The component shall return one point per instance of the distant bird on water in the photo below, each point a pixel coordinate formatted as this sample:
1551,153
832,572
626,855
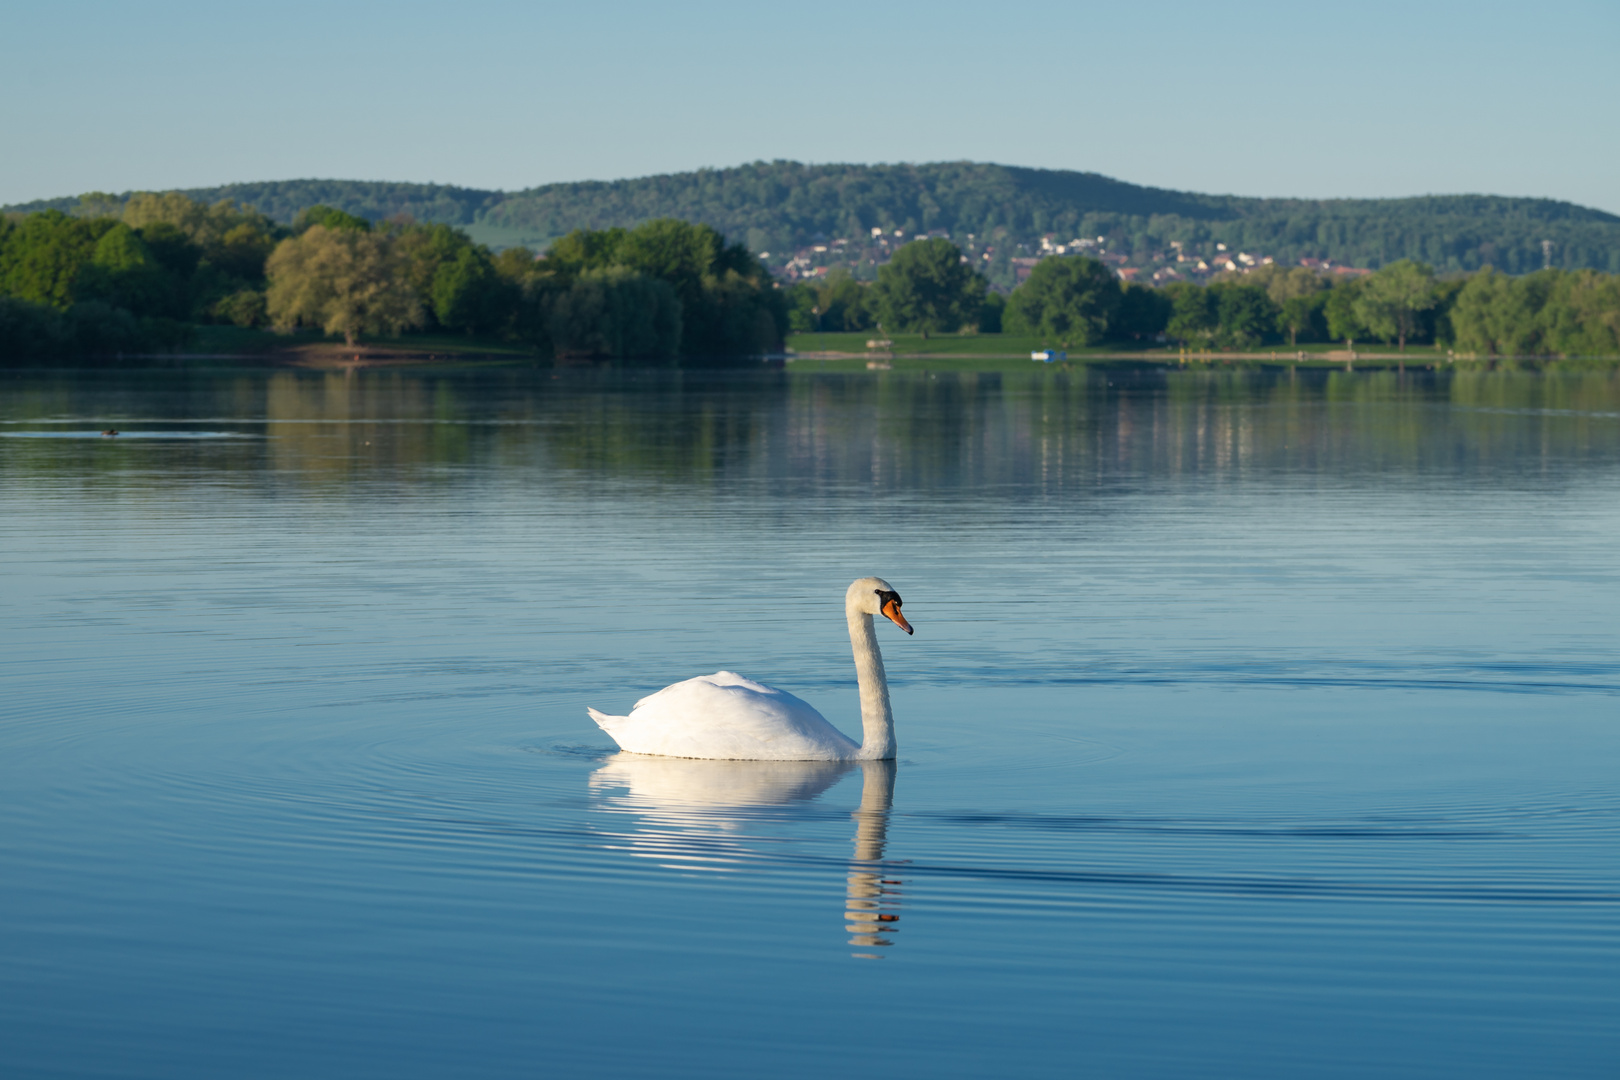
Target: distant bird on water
109,433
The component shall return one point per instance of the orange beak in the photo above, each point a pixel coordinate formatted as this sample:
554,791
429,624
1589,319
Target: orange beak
892,611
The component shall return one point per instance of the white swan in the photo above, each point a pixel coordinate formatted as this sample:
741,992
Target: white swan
727,716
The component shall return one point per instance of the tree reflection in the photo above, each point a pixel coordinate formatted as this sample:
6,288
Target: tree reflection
1012,435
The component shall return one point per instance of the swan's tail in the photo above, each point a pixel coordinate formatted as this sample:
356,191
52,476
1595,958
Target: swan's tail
604,721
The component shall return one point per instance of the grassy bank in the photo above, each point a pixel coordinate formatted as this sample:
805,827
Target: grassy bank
850,351
224,342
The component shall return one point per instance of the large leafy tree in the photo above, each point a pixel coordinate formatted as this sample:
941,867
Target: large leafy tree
1073,300
1342,312
1298,294
42,258
1244,314
1506,316
124,273
469,294
927,287
230,240
344,281
1192,312
1143,312
728,305
1582,317
837,302
1299,314
1392,302
613,312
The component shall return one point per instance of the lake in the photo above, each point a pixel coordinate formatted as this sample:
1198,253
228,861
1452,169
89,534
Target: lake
1257,724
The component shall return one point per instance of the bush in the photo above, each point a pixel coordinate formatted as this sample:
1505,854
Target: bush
245,308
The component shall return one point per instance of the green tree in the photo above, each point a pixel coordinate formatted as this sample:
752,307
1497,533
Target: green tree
242,249
928,287
122,272
1072,300
1446,291
245,308
29,331
1192,312
1244,314
515,264
1299,295
581,250
1341,311
729,305
98,204
1392,302
837,302
42,257
470,295
179,255
992,313
678,252
211,251
1301,314
1144,312
345,281
1503,316
1582,316
610,313
428,250
330,217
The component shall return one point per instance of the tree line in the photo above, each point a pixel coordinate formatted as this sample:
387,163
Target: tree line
781,206
140,275
1074,301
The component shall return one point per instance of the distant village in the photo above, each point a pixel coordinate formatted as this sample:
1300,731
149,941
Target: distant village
1007,263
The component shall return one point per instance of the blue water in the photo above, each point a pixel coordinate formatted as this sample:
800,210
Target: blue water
1256,725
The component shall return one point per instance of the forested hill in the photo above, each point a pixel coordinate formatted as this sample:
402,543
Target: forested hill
281,200
781,207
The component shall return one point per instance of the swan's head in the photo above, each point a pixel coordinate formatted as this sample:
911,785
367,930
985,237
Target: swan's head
874,596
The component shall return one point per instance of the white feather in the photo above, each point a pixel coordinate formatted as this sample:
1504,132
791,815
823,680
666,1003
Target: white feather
725,715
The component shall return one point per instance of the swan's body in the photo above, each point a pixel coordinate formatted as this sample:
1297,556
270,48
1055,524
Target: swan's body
725,715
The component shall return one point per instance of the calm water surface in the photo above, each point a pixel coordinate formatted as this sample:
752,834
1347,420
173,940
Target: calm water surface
1256,725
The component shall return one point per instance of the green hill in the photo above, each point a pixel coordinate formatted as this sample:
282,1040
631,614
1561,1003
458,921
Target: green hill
781,207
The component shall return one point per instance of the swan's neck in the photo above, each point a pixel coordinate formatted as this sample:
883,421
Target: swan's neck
877,722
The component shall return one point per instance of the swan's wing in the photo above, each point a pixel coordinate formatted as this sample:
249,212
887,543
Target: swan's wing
725,715
719,678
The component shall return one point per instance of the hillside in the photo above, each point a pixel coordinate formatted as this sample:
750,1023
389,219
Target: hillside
786,207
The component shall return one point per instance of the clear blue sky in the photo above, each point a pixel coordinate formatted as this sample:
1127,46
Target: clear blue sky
1362,99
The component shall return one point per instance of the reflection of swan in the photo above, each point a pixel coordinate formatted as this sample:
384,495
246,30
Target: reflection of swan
693,813
727,716
868,913
675,785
